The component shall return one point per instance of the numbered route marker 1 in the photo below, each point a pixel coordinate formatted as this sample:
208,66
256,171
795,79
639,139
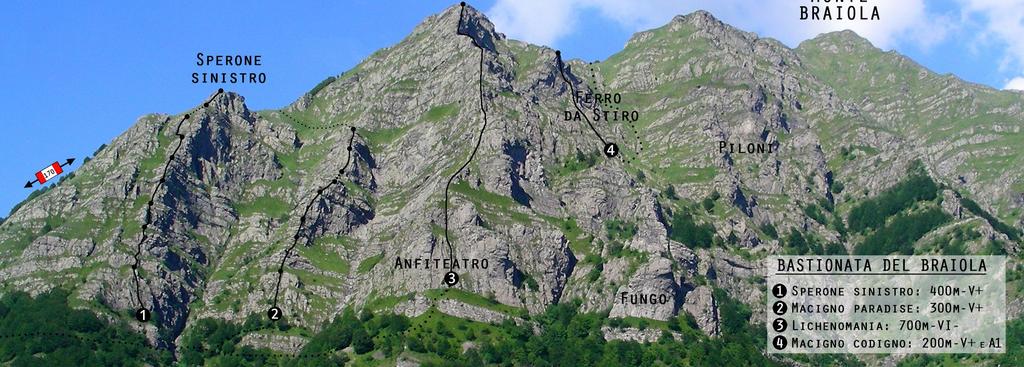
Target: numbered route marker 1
274,313
451,278
611,150
779,290
48,173
143,315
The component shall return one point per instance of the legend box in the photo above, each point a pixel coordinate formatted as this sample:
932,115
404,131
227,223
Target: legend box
886,304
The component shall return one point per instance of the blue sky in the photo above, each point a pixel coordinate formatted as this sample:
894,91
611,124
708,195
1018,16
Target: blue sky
78,74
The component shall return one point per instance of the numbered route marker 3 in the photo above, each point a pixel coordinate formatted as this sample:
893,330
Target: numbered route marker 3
143,315
451,278
611,150
274,314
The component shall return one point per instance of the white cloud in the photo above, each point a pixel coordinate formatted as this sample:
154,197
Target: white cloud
536,21
546,21
1015,83
1001,22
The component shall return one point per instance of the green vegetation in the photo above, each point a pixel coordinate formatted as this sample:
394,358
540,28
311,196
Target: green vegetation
561,336
1009,231
798,244
381,137
872,213
813,211
598,266
670,193
953,242
489,204
709,202
577,243
45,331
579,162
33,195
685,230
1014,355
319,86
769,230
325,258
367,264
530,283
269,205
440,113
405,85
619,230
837,187
215,342
900,234
482,196
474,299
570,338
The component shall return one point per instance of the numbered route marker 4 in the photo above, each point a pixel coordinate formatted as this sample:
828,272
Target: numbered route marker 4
274,314
611,150
143,315
451,278
779,342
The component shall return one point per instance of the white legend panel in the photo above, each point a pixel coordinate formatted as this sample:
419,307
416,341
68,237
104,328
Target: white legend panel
886,304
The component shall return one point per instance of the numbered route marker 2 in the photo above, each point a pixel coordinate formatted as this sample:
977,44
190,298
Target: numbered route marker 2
143,315
451,278
274,313
611,150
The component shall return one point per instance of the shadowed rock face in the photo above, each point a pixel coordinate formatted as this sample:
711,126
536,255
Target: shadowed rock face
554,219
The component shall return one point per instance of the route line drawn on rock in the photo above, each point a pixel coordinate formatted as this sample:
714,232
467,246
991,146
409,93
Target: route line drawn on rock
302,223
575,103
451,278
638,145
141,312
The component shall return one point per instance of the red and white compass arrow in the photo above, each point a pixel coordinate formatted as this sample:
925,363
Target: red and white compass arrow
49,172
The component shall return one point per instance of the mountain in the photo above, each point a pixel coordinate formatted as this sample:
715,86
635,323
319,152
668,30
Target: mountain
459,135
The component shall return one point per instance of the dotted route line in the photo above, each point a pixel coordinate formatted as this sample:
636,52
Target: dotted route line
128,343
297,121
639,145
149,207
274,315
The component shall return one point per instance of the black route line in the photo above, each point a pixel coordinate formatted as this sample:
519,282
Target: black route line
149,206
561,71
305,213
479,139
639,145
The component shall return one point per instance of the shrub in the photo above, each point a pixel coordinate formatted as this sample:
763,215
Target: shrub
686,231
872,213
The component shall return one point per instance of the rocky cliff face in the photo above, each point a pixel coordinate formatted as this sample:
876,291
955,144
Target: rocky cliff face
551,216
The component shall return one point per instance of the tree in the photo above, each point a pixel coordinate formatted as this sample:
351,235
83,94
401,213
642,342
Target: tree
361,341
670,192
